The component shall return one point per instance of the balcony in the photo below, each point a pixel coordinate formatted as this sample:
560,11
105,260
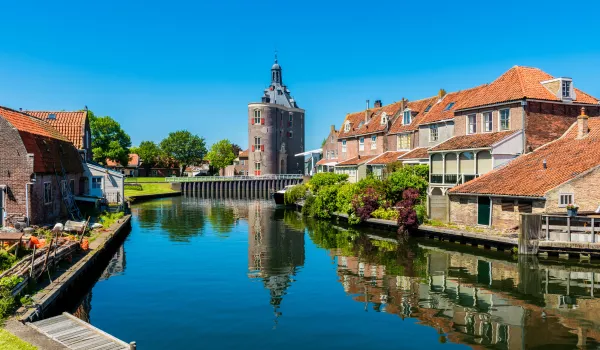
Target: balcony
452,179
437,178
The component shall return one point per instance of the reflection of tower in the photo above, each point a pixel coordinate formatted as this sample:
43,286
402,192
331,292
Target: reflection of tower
116,265
84,309
274,252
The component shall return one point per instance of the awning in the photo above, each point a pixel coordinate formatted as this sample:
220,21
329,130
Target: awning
314,151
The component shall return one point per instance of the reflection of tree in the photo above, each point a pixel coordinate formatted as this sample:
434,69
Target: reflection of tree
222,218
179,217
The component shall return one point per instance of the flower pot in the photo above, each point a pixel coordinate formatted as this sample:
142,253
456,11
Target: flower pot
572,212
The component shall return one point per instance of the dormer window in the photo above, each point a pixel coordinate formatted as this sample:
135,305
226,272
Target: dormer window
52,116
428,108
406,117
361,124
384,119
566,89
449,106
561,88
347,127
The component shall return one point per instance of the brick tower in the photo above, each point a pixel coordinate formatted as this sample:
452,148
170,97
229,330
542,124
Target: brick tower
275,130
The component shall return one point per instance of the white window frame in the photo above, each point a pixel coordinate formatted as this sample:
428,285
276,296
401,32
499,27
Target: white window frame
399,142
257,116
344,145
407,114
434,136
484,122
361,143
569,85
48,193
383,119
500,119
469,124
563,203
347,127
374,142
290,134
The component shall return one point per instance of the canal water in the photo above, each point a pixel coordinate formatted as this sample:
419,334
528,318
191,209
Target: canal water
230,274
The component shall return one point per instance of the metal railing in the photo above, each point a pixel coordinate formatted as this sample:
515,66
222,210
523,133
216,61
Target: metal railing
452,179
234,178
563,228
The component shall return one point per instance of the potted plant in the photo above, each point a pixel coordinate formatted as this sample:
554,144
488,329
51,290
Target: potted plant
572,210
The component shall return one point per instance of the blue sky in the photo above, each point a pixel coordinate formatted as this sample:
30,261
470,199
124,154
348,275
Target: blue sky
159,66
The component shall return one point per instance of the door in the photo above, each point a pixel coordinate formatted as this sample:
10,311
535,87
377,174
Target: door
438,205
483,211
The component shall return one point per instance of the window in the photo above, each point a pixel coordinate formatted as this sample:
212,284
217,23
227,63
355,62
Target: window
433,133
47,192
343,146
487,121
256,168
472,124
525,207
406,117
291,120
361,144
403,141
384,119
242,162
331,139
504,119
373,142
449,106
566,88
97,182
428,108
347,127
257,116
290,134
508,205
565,199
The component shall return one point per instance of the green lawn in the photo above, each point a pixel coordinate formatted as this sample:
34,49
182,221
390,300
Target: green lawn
144,179
11,342
148,189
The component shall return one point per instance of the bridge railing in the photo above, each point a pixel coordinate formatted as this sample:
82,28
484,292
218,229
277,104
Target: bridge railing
233,178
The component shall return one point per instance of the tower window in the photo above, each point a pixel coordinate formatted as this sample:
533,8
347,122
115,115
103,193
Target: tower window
291,120
290,134
257,116
256,168
343,146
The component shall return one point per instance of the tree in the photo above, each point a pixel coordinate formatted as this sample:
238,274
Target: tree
149,153
109,141
236,149
221,154
184,148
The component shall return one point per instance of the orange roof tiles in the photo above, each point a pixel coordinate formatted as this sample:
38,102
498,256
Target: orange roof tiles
356,161
25,122
473,141
387,157
327,161
417,153
134,161
70,124
440,110
358,125
518,83
566,158
418,106
243,154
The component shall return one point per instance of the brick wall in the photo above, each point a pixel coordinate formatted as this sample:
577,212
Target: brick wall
463,214
516,118
585,190
351,149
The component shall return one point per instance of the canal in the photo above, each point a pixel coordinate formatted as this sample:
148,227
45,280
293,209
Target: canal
233,274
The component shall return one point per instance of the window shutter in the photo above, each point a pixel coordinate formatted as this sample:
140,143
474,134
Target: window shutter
525,207
262,121
508,205
262,148
252,148
251,120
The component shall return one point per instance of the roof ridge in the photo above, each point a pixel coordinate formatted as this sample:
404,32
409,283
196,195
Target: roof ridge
518,71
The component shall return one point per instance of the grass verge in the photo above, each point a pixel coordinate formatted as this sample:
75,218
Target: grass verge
9,341
144,179
148,189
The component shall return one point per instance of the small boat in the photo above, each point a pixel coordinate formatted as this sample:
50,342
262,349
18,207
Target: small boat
279,196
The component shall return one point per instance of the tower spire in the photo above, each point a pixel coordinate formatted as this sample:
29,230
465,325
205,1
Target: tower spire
276,72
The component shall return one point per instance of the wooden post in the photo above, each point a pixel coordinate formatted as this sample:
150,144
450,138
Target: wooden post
32,261
593,232
132,346
531,225
569,228
547,228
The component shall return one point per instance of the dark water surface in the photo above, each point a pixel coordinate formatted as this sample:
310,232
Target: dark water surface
201,274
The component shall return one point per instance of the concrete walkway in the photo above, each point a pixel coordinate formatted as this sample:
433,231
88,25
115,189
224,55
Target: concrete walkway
32,336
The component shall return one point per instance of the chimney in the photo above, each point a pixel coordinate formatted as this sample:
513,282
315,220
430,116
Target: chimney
333,128
582,124
544,164
367,112
377,104
20,109
403,104
441,94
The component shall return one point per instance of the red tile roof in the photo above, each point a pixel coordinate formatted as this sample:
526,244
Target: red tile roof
49,147
327,161
134,161
518,83
566,158
417,153
70,124
418,106
440,112
356,161
358,125
387,157
483,140
243,154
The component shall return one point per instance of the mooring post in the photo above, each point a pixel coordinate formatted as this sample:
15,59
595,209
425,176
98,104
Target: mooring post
132,346
547,228
531,225
593,232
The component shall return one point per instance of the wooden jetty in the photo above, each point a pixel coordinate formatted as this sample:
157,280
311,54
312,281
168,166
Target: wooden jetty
74,333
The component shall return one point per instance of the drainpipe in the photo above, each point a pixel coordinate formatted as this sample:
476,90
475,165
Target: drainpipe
523,119
27,201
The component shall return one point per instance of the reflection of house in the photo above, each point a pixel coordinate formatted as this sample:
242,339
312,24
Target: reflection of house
39,167
563,172
116,265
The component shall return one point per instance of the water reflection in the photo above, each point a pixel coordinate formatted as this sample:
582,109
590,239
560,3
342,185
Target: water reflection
468,298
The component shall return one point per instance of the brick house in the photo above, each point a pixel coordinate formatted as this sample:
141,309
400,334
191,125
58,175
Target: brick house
404,132
239,166
378,165
132,169
330,152
562,172
32,160
74,125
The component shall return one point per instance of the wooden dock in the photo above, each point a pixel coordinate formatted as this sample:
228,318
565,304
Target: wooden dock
74,333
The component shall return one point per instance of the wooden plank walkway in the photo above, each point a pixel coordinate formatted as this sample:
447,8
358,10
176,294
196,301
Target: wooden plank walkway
77,334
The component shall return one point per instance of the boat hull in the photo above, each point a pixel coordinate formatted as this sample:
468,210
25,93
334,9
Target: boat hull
279,197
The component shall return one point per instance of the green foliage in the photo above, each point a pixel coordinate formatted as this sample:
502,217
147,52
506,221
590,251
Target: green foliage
308,203
421,213
325,202
385,214
8,341
109,141
344,197
325,179
371,182
107,219
407,177
7,301
324,142
294,194
149,153
184,148
6,260
221,154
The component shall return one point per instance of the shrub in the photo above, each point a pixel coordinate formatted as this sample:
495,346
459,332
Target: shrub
371,182
385,213
308,203
405,178
366,202
7,301
295,194
325,202
421,213
107,219
325,179
345,194
6,260
407,215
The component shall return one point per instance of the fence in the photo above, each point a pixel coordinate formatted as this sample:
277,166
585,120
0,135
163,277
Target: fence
234,178
563,228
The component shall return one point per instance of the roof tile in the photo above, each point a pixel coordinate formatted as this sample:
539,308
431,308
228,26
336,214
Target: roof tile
70,124
473,141
356,161
387,157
